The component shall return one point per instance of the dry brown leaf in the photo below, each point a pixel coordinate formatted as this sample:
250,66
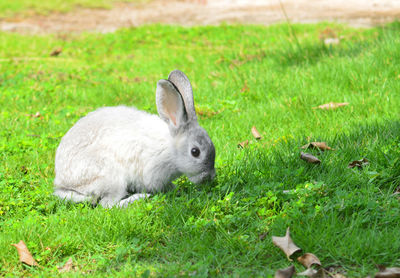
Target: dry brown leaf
243,144
327,33
255,133
285,273
24,255
36,115
390,272
309,158
67,266
317,145
321,273
56,52
358,163
309,272
286,244
309,259
331,105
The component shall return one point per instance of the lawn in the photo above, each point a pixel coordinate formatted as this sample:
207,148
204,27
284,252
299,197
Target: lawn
242,76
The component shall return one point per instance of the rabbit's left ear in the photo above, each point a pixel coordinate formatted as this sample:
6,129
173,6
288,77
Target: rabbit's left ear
182,83
170,105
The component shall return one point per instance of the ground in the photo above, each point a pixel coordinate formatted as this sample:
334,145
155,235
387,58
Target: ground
356,13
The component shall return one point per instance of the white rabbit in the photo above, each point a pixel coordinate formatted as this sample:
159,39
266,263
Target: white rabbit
116,155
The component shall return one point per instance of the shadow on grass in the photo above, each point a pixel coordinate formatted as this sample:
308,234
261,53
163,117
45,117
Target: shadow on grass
312,53
379,142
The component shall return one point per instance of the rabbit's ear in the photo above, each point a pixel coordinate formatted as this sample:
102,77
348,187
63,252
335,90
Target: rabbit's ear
182,83
170,105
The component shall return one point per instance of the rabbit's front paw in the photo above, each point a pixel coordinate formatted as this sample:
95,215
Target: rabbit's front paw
125,202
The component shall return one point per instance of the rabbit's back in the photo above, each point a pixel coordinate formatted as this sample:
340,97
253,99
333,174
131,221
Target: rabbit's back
112,142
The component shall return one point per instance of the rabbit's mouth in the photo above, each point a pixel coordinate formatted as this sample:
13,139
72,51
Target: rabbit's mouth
203,177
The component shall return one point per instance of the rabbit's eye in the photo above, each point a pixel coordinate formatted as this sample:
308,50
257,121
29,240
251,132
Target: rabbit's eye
195,152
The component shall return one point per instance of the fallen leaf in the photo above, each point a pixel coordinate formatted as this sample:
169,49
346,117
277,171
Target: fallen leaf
327,33
243,144
285,273
390,272
36,115
309,272
331,105
255,133
67,266
286,244
320,273
358,163
24,255
309,158
317,145
329,36
309,259
56,52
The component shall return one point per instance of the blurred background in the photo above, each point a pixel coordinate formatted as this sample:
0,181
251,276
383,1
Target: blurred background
27,16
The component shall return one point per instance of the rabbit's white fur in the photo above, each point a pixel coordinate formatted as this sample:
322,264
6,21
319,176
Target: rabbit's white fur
115,134
115,151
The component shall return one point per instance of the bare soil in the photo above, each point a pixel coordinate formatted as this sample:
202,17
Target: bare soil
360,13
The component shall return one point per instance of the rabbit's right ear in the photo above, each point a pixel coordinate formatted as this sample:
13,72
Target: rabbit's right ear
170,105
182,83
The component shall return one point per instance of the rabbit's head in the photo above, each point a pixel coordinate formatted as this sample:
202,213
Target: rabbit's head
193,149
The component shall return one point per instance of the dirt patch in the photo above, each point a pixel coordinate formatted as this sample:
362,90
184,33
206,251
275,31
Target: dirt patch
358,13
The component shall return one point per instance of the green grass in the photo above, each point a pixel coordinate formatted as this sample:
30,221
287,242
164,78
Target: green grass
251,76
24,8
